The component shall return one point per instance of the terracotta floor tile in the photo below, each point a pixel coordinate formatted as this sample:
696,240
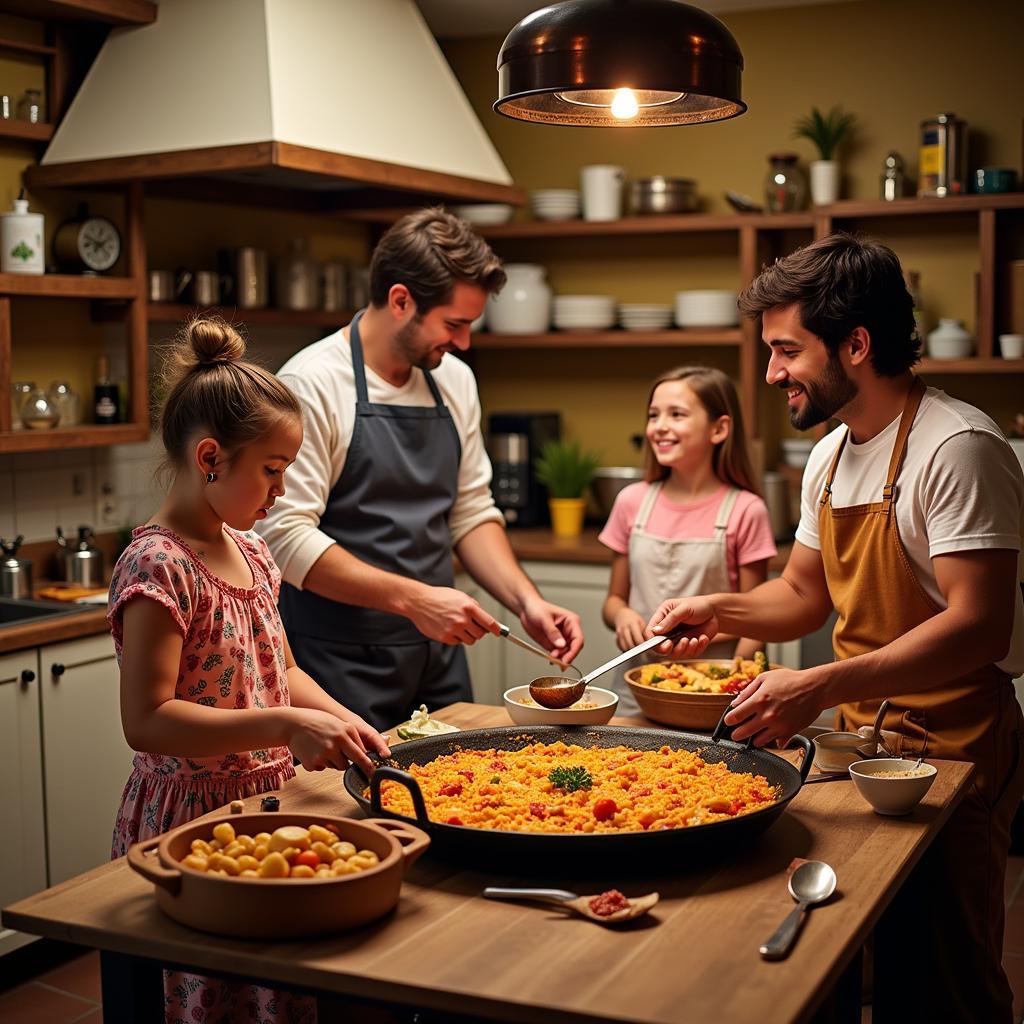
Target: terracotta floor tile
30,1004
96,1017
1013,937
1013,964
80,977
1014,874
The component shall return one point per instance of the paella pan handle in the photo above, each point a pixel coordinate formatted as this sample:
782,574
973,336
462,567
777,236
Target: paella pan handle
386,771
798,742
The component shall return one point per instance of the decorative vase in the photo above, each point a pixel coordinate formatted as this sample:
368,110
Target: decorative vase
824,182
949,340
523,306
567,516
785,187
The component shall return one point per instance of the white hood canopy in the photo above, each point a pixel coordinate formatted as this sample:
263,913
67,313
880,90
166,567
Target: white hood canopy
350,101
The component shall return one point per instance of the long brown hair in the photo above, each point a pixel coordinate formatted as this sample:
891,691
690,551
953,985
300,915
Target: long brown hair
211,388
730,461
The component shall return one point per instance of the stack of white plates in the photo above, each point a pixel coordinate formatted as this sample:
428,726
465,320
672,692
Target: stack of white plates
484,213
710,308
555,203
584,312
644,316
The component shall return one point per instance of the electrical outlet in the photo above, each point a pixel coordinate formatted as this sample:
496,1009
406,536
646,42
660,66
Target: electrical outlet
111,512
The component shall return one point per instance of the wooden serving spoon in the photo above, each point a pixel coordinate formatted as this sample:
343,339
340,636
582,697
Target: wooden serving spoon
577,904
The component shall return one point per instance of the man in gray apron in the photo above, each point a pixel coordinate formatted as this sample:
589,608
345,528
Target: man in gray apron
382,488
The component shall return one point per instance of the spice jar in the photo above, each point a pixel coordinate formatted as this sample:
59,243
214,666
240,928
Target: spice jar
785,187
30,106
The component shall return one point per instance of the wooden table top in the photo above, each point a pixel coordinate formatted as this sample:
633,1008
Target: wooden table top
445,948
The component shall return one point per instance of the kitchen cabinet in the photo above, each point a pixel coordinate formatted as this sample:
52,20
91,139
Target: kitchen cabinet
86,760
23,849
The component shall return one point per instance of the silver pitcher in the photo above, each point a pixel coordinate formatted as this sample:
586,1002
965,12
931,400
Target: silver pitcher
81,560
15,573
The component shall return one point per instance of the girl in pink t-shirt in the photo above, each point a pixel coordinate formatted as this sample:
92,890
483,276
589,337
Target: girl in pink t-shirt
211,697
696,525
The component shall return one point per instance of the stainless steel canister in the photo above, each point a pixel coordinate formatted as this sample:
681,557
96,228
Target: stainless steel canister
206,287
335,286
251,278
942,163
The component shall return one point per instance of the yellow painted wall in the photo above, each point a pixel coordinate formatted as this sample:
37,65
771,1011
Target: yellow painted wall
891,63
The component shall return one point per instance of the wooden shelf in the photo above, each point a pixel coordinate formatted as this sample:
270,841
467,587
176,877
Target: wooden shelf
976,364
111,12
69,286
34,49
653,224
40,131
918,207
171,312
88,435
725,337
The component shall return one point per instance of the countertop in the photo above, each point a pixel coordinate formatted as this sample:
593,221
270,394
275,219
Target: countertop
446,949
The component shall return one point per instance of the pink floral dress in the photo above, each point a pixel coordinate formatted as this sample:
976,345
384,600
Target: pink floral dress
232,657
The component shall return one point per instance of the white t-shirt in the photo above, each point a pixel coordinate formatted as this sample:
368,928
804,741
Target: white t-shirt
960,489
322,377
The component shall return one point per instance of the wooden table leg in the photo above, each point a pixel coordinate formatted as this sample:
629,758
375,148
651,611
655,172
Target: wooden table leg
133,989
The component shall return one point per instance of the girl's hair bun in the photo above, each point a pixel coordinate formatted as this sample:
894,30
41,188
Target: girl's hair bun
213,341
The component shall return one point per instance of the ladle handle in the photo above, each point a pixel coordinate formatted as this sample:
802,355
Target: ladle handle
497,892
635,652
565,666
779,945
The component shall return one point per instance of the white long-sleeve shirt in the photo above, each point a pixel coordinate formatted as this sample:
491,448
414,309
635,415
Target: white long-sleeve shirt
322,377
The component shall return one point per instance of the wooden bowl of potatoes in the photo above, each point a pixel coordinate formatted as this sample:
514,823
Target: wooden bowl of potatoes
252,876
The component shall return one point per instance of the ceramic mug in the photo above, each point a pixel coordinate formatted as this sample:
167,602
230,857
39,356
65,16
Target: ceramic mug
1011,346
601,185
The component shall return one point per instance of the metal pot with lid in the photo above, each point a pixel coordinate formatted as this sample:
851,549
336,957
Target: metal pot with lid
663,195
15,573
81,560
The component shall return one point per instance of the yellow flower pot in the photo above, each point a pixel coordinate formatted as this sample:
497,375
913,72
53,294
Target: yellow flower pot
567,516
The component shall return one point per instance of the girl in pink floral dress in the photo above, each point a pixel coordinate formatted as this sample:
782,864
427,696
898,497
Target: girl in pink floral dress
211,697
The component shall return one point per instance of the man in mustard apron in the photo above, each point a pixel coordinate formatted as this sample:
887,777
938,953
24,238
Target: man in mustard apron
392,477
911,529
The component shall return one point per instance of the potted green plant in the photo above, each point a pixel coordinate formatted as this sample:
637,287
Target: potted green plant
826,131
566,470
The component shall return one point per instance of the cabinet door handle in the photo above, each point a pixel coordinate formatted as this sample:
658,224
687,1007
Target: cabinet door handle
57,669
27,676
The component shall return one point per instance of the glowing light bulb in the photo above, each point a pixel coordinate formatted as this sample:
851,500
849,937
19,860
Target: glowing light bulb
624,105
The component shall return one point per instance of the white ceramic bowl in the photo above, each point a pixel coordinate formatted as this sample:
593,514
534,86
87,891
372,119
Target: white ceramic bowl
796,451
888,795
836,751
484,213
706,308
949,348
529,714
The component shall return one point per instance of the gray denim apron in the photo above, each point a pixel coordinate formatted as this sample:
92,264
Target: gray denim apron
390,509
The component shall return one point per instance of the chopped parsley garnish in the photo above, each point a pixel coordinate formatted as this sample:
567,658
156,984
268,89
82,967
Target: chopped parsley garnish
495,778
571,779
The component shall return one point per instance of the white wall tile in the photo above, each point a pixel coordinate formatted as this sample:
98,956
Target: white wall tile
35,521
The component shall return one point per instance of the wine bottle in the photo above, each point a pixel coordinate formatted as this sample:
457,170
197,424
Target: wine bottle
107,398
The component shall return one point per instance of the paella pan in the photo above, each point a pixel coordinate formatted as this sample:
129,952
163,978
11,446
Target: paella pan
453,838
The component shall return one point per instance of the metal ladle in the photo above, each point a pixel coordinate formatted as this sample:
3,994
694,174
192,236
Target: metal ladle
565,666
811,883
559,692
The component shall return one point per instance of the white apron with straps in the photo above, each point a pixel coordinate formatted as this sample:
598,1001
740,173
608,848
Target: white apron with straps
663,567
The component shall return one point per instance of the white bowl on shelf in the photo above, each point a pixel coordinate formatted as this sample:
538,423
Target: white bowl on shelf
706,308
484,213
796,451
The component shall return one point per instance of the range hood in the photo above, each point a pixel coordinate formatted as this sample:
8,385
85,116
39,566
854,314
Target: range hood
340,102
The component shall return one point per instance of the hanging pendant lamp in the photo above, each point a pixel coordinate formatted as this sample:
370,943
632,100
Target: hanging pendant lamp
620,62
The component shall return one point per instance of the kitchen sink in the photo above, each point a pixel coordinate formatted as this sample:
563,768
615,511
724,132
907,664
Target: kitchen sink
14,611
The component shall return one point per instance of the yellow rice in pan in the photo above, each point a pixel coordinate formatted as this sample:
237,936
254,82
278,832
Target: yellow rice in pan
628,791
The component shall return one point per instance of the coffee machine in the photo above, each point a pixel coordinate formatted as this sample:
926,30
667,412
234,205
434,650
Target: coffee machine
515,441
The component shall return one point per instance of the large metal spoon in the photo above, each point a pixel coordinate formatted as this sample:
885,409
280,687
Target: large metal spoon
812,882
560,692
565,666
579,904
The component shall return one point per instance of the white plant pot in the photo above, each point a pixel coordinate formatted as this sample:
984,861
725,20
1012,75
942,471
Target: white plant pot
824,182
523,306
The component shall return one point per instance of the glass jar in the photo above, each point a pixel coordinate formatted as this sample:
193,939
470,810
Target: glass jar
20,390
66,401
38,412
30,106
785,186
